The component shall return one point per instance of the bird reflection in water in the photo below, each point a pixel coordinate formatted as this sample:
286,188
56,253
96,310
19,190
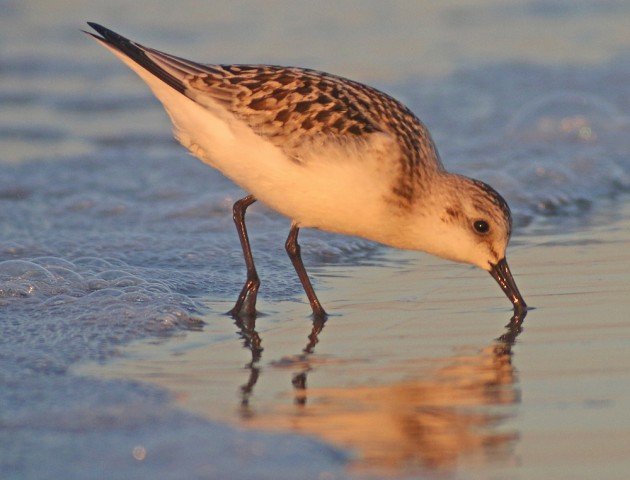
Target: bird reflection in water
252,342
430,423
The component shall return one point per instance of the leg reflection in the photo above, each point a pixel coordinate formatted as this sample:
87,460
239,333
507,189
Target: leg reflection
299,379
513,330
251,341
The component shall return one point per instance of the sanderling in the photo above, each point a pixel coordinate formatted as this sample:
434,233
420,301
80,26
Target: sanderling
328,153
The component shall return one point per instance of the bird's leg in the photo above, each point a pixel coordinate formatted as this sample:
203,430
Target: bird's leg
293,249
246,303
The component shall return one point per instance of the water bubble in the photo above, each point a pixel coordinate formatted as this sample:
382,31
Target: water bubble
571,117
139,452
110,275
20,278
24,270
566,149
47,262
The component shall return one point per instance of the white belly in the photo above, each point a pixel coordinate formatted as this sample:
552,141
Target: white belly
334,190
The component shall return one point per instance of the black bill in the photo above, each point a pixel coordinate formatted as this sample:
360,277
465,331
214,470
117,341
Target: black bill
501,273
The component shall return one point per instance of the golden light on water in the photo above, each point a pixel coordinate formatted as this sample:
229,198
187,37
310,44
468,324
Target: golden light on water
429,423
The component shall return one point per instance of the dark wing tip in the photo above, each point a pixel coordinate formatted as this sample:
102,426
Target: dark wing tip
100,29
109,36
96,27
136,52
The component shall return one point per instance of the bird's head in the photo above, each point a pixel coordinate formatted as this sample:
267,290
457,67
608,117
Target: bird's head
470,223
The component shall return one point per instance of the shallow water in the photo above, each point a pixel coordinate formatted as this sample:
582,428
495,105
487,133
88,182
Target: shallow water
415,376
110,233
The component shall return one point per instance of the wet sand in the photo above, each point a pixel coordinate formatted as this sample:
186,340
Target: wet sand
415,373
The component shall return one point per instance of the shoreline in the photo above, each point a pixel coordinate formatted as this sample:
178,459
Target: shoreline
365,371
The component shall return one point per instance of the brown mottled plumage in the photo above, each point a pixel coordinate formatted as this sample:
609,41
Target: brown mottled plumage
295,108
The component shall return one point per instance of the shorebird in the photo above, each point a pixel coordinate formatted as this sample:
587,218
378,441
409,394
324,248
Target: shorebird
328,153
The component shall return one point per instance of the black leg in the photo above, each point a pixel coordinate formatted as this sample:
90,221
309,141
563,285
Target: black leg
246,303
293,249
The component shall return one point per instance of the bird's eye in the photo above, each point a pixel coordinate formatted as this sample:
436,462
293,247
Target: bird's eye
481,226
